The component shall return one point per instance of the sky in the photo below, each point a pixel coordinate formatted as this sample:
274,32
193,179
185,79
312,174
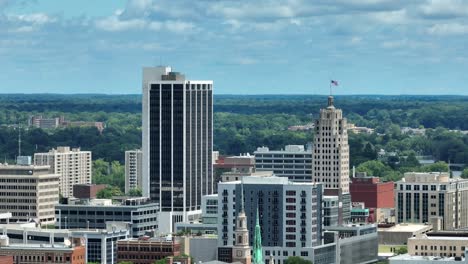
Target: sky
245,47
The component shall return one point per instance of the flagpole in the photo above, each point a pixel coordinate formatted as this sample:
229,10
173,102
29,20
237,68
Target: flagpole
330,84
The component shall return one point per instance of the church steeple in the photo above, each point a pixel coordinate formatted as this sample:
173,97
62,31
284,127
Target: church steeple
257,245
241,248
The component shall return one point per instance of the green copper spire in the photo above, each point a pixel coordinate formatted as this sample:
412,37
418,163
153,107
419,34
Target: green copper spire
257,244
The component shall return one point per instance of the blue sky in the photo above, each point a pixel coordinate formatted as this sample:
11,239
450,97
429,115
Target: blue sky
246,47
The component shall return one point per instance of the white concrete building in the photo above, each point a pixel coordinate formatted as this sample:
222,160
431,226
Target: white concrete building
73,165
133,169
29,193
177,144
293,162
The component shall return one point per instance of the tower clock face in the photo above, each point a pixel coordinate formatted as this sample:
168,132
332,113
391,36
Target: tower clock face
239,253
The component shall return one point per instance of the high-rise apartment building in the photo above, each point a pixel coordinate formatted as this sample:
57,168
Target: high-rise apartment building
73,165
133,169
290,215
177,143
294,162
330,159
29,192
420,196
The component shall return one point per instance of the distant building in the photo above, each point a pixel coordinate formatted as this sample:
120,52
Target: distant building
60,253
87,191
45,123
177,144
73,165
39,121
290,215
377,196
293,162
95,213
330,158
133,170
305,127
413,131
146,250
359,130
420,196
29,193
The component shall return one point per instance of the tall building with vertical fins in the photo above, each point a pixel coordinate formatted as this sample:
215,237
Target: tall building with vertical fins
330,158
177,143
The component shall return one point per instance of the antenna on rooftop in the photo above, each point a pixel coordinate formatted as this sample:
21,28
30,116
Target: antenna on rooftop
19,140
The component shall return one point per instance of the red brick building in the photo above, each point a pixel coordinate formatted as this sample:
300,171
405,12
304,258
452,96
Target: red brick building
6,260
377,196
146,250
87,191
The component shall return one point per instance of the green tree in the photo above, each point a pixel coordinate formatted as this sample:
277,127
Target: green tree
464,174
297,260
136,192
439,166
374,168
109,192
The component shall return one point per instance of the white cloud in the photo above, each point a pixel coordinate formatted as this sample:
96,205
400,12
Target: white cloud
444,9
116,23
448,29
391,17
113,23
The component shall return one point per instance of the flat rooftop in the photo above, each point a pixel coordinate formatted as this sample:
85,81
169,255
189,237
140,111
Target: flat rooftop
422,258
405,228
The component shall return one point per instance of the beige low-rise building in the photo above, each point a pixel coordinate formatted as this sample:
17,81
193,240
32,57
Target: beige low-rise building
399,234
29,192
420,196
439,244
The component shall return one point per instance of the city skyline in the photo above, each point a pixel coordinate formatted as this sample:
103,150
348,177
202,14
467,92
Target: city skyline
370,47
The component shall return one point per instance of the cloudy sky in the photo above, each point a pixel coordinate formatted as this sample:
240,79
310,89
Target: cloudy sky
246,47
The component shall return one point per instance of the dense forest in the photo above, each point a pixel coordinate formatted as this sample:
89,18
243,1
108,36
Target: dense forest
243,123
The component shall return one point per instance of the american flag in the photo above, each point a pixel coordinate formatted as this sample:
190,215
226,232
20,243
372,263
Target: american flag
335,83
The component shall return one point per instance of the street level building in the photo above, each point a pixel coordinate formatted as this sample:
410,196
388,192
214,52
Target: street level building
293,162
177,144
73,253
101,245
290,216
133,169
330,159
377,196
94,214
420,196
29,193
146,250
73,165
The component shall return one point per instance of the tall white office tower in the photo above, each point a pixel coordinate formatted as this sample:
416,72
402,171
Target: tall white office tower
177,144
331,157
